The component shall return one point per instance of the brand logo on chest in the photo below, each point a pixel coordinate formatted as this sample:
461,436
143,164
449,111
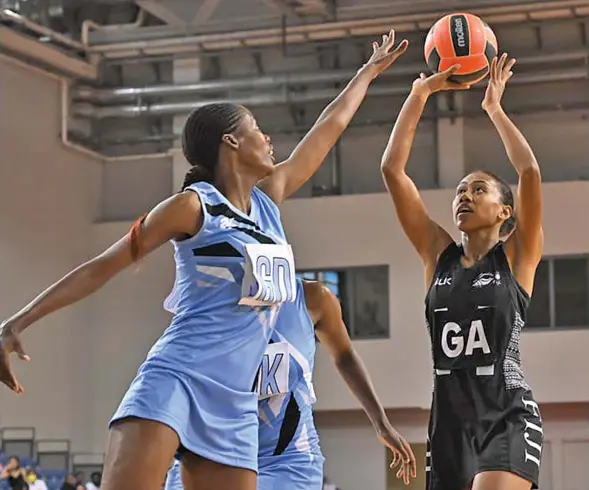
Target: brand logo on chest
487,279
226,223
443,281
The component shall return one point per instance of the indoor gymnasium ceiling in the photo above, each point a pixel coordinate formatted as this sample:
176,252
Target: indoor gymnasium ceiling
226,14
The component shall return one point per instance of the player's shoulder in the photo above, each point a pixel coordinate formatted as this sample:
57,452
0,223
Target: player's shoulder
318,297
313,290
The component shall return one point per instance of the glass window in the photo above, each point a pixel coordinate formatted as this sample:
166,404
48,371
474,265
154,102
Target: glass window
571,292
539,310
561,294
364,296
368,296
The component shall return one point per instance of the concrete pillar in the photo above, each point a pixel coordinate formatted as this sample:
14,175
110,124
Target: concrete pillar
450,140
185,71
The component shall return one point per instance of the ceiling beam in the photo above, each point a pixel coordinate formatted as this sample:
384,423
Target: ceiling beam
205,12
158,9
282,7
299,8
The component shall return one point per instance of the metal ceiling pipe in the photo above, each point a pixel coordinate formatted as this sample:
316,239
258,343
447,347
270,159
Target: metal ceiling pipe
56,37
294,129
178,42
279,80
90,111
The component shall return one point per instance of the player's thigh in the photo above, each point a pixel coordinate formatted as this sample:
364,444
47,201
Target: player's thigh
500,480
199,473
138,455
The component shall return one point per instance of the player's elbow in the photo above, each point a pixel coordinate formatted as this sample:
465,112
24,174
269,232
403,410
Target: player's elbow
525,163
345,358
530,170
392,167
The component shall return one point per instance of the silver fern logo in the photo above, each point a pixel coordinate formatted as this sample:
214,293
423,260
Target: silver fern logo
486,279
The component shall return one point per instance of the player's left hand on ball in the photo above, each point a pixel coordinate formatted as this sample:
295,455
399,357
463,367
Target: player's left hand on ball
499,74
403,456
383,54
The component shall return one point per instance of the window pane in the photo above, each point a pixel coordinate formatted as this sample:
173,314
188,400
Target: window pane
539,310
330,277
571,288
367,293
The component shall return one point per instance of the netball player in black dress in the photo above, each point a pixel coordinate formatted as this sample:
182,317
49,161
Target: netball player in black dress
485,430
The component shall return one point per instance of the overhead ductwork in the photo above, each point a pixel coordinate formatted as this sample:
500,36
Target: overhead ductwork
154,41
174,108
170,138
43,47
282,80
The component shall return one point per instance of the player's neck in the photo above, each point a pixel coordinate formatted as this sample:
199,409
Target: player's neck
236,187
477,244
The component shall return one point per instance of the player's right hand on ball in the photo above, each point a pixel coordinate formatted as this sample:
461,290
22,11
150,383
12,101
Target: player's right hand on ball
10,343
424,86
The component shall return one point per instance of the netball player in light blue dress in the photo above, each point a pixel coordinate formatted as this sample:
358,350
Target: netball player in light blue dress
289,454
234,269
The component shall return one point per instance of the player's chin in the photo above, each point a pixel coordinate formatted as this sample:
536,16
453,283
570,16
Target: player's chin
465,223
268,165
262,167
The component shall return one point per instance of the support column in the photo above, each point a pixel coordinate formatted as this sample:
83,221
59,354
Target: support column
450,140
185,71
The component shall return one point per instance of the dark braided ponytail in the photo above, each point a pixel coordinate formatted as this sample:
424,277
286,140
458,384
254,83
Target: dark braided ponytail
201,138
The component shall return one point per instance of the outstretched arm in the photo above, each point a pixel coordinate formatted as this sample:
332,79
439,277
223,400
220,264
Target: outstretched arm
177,217
427,237
310,153
331,331
524,246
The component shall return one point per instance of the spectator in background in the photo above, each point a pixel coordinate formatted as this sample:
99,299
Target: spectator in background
80,478
14,474
94,483
34,482
71,482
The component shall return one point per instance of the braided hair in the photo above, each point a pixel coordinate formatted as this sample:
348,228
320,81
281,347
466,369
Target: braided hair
201,138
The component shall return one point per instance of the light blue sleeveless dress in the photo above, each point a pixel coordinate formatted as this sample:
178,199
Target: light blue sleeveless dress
231,280
289,454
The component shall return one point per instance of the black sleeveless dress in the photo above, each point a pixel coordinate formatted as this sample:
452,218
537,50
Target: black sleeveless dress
17,483
483,415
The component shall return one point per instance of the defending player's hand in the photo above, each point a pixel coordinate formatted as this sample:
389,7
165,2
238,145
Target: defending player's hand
9,343
499,74
424,86
402,454
383,55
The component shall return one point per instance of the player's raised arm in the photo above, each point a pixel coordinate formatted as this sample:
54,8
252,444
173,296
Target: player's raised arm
178,216
524,246
310,153
428,238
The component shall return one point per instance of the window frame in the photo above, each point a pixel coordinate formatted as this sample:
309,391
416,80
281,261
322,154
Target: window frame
550,259
345,302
